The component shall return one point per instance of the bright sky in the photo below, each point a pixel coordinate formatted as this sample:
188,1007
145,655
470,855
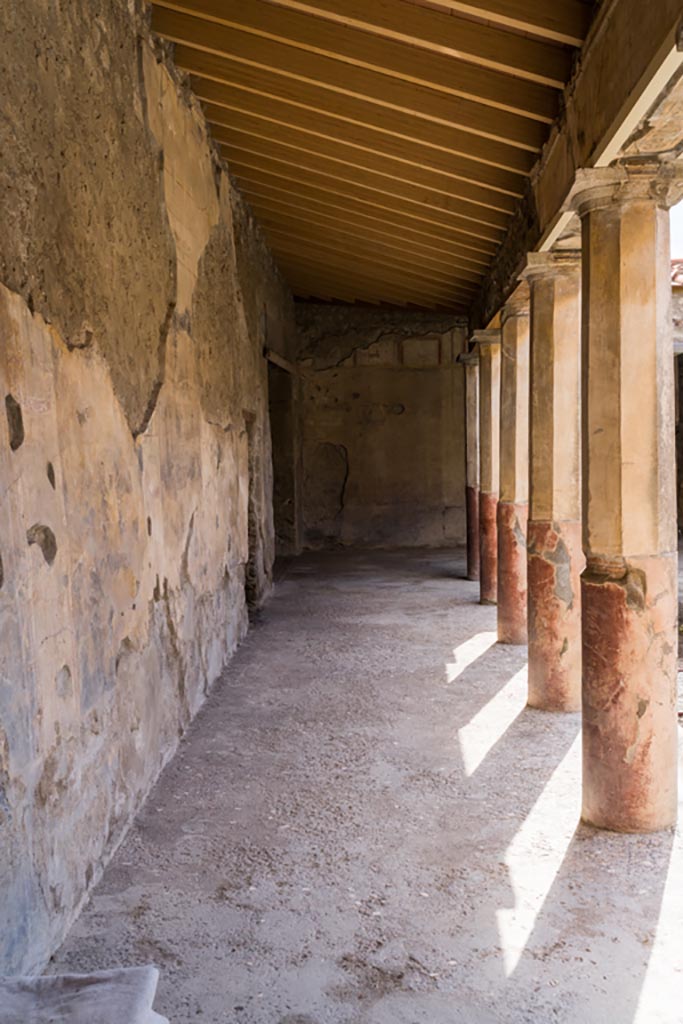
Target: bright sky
677,232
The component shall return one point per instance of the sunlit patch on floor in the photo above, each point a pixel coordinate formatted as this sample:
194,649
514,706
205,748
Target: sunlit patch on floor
483,731
468,652
663,982
535,855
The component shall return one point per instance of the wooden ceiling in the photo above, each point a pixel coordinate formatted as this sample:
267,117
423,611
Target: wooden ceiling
382,144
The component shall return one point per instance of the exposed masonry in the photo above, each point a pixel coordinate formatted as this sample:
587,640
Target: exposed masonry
133,284
330,334
561,560
382,426
15,422
45,539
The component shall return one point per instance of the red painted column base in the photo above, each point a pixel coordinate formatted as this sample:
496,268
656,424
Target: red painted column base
629,614
554,563
488,548
512,519
472,509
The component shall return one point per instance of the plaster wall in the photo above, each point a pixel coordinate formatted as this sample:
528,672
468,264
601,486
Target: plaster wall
135,299
383,424
284,402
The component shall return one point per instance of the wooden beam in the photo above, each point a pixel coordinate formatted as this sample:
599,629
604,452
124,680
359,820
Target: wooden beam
271,356
371,272
282,241
249,149
279,235
374,138
609,96
258,169
311,94
363,49
303,293
333,219
336,284
309,291
560,21
302,197
307,227
440,32
371,277
486,123
240,124
304,286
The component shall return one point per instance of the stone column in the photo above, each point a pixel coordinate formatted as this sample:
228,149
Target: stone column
628,588
470,360
513,505
554,556
488,346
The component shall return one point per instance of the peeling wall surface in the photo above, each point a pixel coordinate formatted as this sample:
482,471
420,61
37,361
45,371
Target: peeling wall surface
383,427
134,294
283,395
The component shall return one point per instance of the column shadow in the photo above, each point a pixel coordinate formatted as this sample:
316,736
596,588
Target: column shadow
559,919
594,936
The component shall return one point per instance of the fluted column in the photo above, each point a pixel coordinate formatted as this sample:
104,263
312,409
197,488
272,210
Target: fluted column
471,363
629,600
488,346
512,513
554,556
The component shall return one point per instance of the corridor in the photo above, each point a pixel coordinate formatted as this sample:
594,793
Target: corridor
365,825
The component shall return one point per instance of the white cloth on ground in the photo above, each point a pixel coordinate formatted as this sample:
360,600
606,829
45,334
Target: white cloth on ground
123,995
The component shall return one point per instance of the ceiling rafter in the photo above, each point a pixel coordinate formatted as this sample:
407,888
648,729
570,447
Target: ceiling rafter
240,148
231,126
261,185
306,285
561,21
480,236
333,124
332,217
466,40
306,282
312,227
356,46
359,281
306,141
373,271
383,145
365,110
346,272
451,283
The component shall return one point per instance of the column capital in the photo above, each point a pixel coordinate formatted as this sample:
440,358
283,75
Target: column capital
556,263
491,336
595,188
469,358
517,304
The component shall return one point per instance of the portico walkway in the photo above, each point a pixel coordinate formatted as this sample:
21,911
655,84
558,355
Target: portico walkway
365,824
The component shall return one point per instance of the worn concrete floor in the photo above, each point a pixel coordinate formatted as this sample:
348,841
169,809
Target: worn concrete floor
365,825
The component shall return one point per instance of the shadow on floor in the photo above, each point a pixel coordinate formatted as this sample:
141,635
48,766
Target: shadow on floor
366,825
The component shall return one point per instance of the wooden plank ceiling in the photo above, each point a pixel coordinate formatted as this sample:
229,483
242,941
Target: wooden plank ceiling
382,144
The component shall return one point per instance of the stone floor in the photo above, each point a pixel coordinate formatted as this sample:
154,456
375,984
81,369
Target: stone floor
365,824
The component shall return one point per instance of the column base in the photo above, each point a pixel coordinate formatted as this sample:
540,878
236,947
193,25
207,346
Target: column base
472,509
629,617
554,563
512,616
488,548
